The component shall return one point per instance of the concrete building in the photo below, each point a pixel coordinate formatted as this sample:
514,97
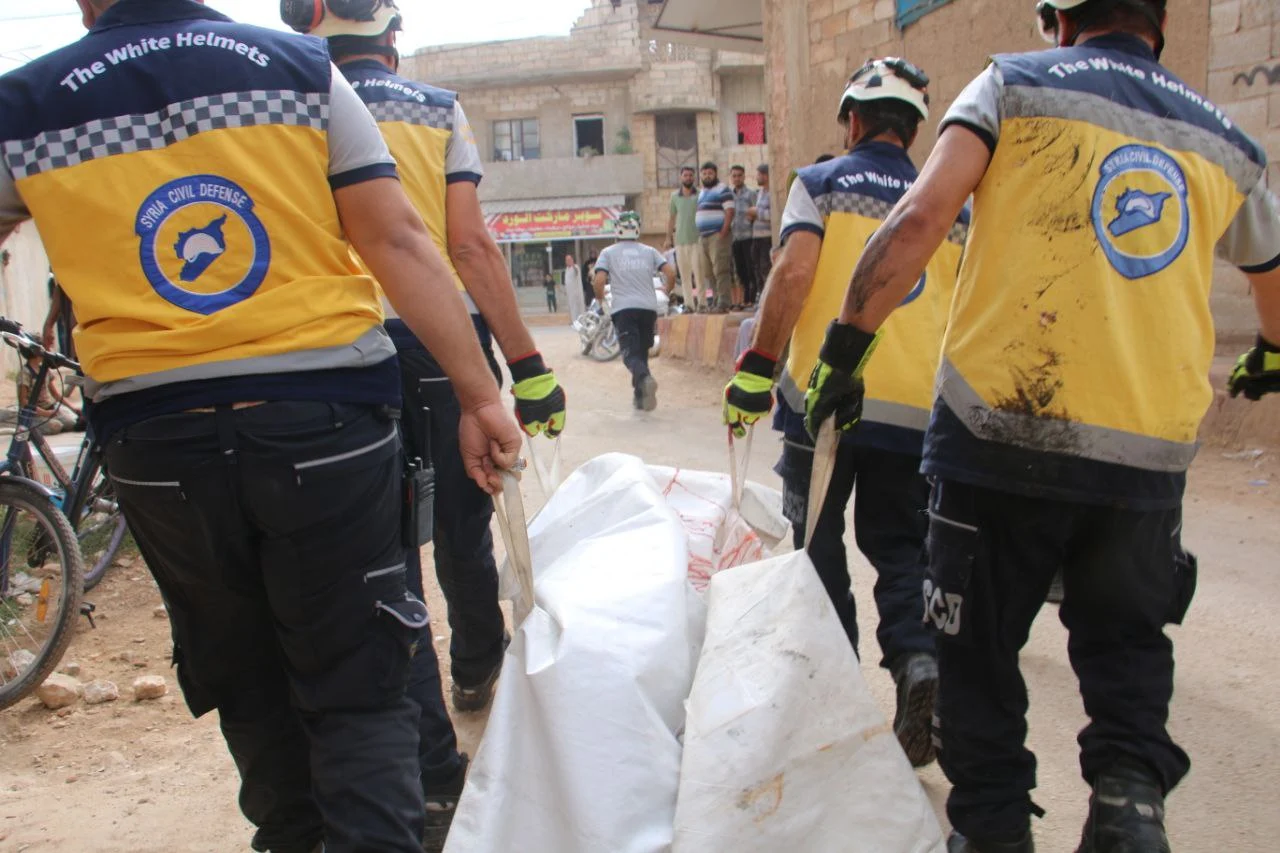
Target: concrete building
575,129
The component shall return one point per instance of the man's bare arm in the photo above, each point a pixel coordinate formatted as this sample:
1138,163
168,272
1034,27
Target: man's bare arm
785,292
1266,296
668,278
483,270
598,282
899,251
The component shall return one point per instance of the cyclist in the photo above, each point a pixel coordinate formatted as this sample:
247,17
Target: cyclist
628,268
832,209
1074,377
428,134
245,388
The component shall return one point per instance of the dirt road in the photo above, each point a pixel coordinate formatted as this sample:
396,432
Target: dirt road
138,777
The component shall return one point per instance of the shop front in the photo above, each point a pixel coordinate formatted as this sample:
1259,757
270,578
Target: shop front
537,235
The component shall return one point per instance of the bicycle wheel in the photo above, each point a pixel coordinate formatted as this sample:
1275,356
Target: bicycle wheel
97,520
38,605
606,347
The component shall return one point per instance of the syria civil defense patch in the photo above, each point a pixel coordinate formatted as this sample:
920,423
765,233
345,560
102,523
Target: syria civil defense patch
202,246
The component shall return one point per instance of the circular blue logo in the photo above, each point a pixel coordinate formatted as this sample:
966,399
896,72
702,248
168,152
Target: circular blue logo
202,247
1140,210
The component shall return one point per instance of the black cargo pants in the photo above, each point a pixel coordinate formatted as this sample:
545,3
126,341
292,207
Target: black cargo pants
462,541
274,533
992,556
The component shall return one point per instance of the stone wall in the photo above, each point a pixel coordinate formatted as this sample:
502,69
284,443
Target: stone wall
1244,79
1228,49
603,41
812,47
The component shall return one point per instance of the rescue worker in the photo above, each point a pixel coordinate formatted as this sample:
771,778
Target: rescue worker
245,388
628,267
431,140
1074,376
832,209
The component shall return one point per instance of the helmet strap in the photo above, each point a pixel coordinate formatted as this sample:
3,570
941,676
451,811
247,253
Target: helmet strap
347,46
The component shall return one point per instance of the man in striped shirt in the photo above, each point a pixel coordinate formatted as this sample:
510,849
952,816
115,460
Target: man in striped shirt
715,225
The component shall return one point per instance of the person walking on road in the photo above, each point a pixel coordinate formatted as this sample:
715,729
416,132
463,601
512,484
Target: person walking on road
428,133
1074,377
715,224
245,389
832,210
628,268
682,235
573,292
761,216
744,199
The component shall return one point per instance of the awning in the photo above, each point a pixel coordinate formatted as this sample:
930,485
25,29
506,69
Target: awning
722,24
562,218
529,205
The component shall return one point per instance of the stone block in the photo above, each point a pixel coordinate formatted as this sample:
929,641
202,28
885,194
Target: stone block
1250,116
1273,114
875,35
885,10
819,9
1224,18
1245,46
862,14
833,25
1257,13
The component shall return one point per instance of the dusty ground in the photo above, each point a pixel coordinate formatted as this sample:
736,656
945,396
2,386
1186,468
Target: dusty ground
138,777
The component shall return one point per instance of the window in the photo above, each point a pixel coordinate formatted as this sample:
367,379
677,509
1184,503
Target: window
914,10
751,129
516,139
677,135
588,135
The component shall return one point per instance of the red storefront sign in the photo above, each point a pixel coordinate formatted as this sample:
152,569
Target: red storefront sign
553,224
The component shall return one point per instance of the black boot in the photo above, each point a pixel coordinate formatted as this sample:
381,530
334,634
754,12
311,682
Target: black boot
917,679
1126,812
957,843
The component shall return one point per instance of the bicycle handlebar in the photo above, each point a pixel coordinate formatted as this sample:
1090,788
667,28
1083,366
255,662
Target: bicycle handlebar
28,345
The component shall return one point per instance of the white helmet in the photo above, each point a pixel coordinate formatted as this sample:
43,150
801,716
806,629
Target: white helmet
330,18
628,227
1047,18
889,77
1048,21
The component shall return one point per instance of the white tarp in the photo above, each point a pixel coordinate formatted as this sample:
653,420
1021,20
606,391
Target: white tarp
583,752
784,747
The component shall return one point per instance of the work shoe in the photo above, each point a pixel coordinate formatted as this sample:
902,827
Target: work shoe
1126,812
647,394
442,805
957,843
478,697
917,679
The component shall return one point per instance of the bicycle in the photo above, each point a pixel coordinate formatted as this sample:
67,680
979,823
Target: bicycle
85,496
37,607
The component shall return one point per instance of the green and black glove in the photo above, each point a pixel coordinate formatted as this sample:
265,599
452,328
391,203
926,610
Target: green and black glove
749,395
1257,371
540,401
835,386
